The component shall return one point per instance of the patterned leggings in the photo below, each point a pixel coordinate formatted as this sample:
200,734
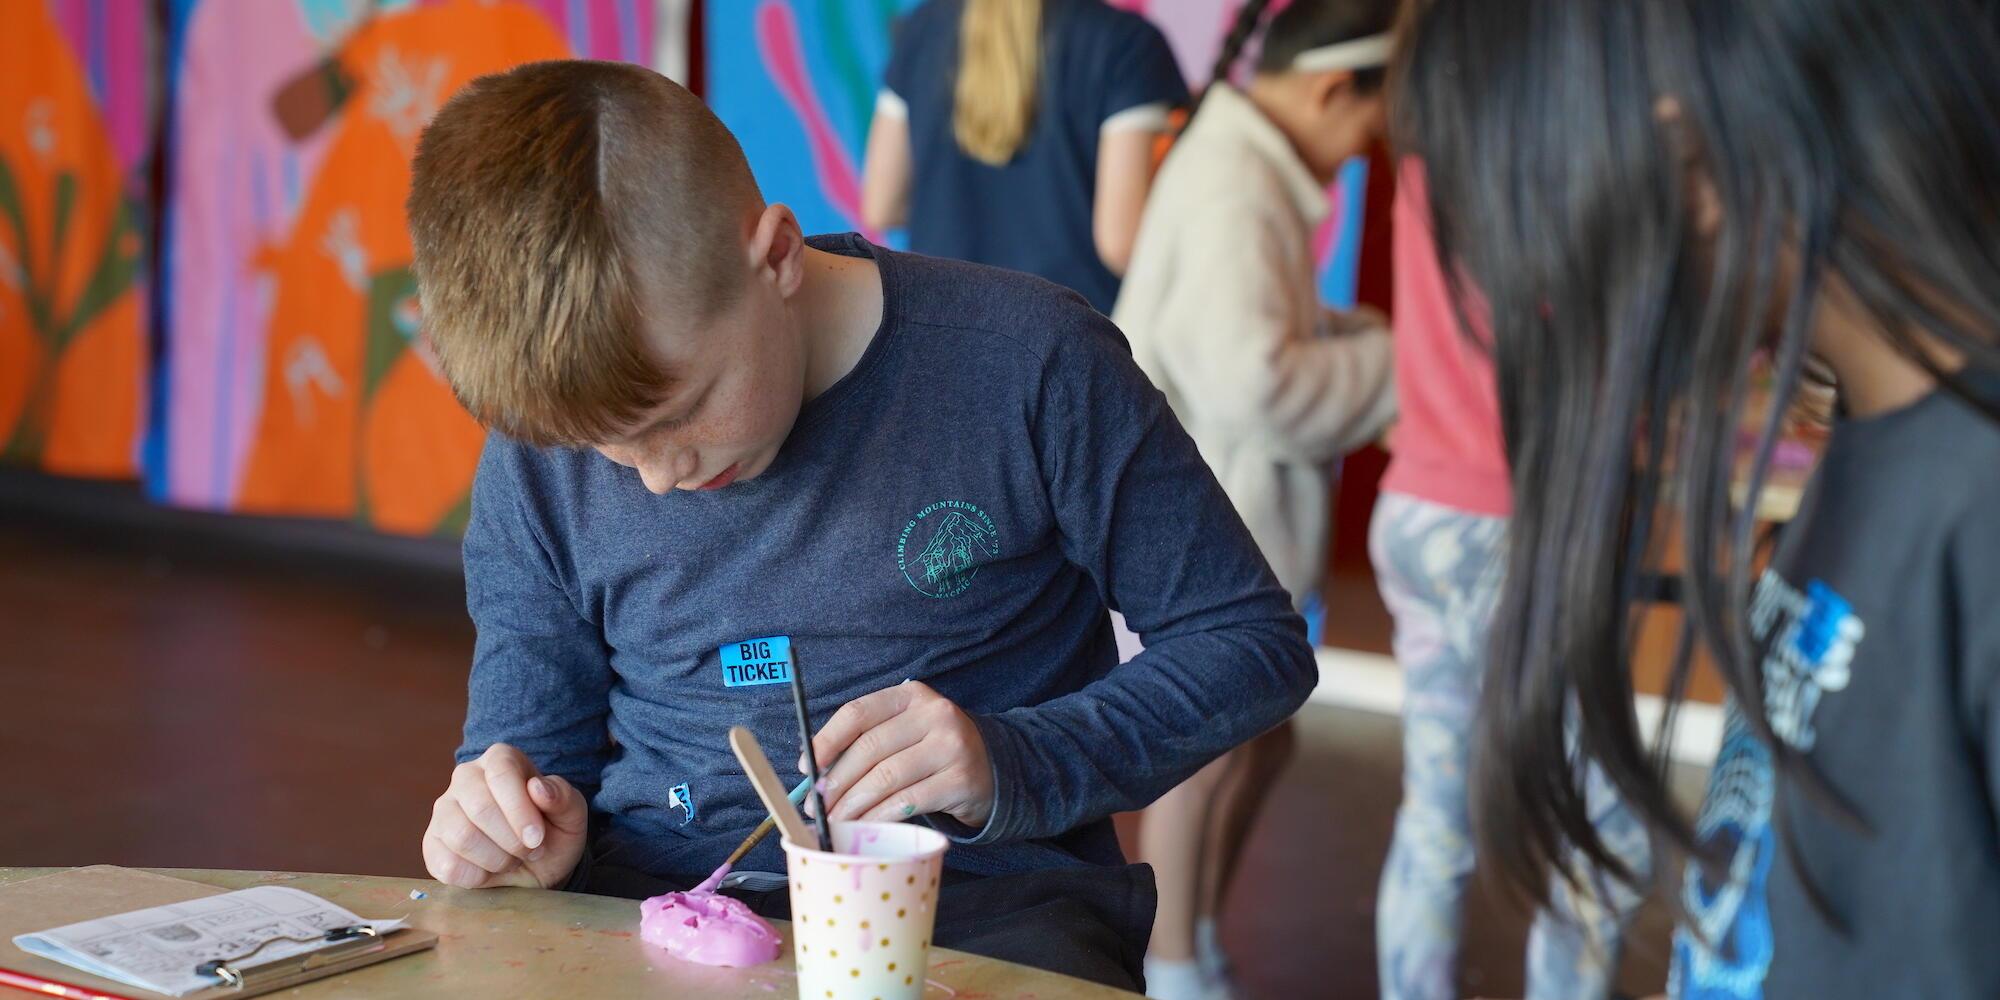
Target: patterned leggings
1440,570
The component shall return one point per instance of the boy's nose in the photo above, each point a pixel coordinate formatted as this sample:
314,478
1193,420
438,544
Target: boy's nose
661,473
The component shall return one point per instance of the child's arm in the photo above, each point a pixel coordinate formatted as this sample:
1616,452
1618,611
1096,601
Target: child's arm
886,169
1226,656
1140,84
1242,360
539,692
888,163
1124,176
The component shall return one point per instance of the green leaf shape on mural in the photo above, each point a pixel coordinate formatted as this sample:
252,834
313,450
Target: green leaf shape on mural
65,204
111,275
388,291
17,220
857,84
387,341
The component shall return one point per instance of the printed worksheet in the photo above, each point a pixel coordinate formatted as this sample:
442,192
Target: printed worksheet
158,949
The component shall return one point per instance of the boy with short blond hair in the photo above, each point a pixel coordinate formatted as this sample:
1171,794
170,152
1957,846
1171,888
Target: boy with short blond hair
924,481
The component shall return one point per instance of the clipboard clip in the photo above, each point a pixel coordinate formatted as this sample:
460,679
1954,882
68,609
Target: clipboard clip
341,942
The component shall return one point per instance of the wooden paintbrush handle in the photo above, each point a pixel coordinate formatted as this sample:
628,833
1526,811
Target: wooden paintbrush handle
765,781
750,841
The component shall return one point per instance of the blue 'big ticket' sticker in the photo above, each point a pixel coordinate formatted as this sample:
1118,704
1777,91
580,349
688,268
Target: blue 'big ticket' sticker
757,661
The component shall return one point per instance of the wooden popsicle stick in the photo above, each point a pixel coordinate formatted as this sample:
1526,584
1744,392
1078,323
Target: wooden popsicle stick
765,780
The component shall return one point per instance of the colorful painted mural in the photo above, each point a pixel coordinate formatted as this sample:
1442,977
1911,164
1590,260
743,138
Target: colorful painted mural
296,383
75,127
800,75
289,378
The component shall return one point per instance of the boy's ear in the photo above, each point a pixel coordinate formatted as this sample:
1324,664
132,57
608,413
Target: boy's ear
777,250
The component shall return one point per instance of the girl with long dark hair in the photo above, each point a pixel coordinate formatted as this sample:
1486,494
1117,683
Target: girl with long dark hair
1437,541
1650,196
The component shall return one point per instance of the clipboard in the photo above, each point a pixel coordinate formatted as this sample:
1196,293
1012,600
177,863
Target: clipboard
87,893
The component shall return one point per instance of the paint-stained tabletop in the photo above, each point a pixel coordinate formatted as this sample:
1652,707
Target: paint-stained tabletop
532,943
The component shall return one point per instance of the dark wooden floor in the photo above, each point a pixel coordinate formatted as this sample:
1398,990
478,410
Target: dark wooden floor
175,698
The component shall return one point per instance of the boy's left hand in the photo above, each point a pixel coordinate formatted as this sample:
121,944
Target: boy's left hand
901,752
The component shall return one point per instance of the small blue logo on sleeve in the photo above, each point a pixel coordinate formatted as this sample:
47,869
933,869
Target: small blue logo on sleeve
757,661
682,797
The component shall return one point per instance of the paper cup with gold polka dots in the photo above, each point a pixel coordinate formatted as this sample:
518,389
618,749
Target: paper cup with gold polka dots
862,916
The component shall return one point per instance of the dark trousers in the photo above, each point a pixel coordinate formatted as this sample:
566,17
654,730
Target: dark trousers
1090,923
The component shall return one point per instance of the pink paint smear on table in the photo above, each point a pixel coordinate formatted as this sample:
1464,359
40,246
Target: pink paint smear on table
707,928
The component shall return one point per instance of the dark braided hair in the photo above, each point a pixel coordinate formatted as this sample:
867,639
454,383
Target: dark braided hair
1248,17
1303,25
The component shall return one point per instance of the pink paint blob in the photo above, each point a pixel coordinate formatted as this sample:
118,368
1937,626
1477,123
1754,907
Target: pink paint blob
707,929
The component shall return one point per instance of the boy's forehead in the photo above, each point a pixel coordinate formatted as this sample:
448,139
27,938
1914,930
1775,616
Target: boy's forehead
674,395
680,342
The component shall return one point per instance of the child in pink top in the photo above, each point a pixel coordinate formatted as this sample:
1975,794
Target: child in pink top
1446,446
1436,542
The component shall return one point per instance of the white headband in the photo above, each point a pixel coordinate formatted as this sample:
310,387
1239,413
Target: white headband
1359,53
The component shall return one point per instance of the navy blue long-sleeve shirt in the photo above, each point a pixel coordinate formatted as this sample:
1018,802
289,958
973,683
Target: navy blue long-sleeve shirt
960,509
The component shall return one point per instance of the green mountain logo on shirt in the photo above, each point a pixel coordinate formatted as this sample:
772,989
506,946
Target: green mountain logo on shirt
941,549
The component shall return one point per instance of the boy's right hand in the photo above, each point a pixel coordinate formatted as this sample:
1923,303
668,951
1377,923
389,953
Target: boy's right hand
502,822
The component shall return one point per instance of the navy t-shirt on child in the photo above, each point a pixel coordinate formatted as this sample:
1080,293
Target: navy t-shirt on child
1101,68
960,509
1879,619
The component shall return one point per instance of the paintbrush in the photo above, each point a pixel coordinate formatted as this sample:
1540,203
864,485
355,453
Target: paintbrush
824,823
797,796
714,881
758,768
